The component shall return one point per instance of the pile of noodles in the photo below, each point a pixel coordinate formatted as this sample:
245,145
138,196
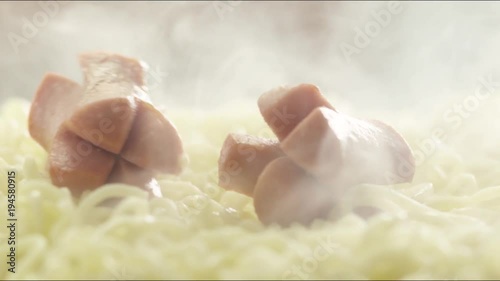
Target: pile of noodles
443,225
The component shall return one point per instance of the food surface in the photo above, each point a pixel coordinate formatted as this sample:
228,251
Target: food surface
243,158
444,225
91,130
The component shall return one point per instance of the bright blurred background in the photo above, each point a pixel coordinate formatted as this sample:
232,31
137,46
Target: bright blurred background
203,54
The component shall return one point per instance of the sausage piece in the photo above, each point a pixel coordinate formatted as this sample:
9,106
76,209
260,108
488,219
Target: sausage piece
242,159
117,109
78,164
128,173
53,102
285,194
345,151
107,108
105,131
284,108
153,142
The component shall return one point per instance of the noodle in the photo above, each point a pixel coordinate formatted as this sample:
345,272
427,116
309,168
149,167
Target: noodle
443,225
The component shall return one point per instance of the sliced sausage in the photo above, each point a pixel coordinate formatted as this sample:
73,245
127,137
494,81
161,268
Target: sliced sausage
284,108
242,159
107,109
54,101
105,131
78,164
285,194
345,151
153,142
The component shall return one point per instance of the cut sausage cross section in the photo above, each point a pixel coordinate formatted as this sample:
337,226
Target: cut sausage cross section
242,159
54,101
77,164
343,151
112,84
286,194
106,130
153,141
284,108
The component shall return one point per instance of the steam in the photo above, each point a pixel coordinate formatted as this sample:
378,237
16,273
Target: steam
429,49
429,54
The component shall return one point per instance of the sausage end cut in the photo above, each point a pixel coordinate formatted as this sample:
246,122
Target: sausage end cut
105,123
76,163
284,108
242,159
286,194
153,142
53,101
314,146
345,151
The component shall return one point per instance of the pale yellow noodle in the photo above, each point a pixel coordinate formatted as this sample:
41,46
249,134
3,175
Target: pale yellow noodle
445,224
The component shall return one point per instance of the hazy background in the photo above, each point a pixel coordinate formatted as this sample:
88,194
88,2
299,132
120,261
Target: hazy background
202,58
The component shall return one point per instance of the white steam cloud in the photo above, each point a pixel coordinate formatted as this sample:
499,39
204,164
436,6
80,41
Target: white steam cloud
426,50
